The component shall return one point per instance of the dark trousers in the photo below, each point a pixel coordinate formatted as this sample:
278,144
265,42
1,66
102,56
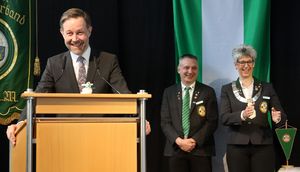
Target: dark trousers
186,162
250,158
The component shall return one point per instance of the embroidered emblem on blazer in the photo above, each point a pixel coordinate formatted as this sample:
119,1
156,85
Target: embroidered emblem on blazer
263,107
201,110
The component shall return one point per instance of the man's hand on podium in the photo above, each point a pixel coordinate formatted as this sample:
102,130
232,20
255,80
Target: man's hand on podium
148,127
11,132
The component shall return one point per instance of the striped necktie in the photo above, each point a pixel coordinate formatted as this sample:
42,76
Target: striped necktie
81,72
186,112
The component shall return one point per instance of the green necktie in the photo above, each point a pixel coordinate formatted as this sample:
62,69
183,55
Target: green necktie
186,112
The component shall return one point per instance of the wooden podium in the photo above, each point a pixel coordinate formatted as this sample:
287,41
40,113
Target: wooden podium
80,143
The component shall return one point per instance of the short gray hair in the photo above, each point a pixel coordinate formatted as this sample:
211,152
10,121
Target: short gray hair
190,56
243,50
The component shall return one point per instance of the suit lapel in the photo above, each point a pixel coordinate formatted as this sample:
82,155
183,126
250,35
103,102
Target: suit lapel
256,87
239,87
179,100
92,67
196,95
178,106
71,74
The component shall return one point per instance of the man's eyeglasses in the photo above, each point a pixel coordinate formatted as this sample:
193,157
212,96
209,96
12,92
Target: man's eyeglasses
245,62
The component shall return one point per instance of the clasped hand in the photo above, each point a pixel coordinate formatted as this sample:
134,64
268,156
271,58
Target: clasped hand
249,110
186,145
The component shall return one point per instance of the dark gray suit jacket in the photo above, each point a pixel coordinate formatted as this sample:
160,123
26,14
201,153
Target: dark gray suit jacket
256,130
59,75
202,126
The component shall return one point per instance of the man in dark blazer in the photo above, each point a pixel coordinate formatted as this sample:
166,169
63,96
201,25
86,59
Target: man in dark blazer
61,74
103,71
191,152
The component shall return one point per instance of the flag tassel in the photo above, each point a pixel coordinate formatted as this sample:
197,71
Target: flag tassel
37,67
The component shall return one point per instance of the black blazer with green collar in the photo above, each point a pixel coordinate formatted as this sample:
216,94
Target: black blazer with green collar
202,124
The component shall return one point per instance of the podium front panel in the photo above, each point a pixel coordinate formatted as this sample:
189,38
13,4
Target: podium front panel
86,145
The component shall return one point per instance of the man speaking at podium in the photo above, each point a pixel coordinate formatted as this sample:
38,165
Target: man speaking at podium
66,72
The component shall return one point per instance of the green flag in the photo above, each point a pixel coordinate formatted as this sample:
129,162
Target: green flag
286,138
17,41
188,29
211,29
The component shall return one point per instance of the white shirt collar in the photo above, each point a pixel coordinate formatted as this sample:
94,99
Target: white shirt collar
192,86
86,55
248,91
191,91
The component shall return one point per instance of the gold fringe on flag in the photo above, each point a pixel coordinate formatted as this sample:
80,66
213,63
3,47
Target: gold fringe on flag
37,67
7,121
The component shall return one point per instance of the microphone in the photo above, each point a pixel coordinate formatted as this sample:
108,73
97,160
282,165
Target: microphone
62,69
98,72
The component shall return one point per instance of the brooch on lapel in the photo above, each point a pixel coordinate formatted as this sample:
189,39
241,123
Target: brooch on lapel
257,87
178,95
196,95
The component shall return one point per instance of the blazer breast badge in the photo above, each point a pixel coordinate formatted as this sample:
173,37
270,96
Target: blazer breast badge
201,110
263,107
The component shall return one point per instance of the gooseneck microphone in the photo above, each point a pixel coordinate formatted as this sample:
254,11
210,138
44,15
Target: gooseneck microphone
98,72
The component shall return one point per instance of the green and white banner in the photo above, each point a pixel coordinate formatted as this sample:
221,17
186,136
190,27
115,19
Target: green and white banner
17,37
210,29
